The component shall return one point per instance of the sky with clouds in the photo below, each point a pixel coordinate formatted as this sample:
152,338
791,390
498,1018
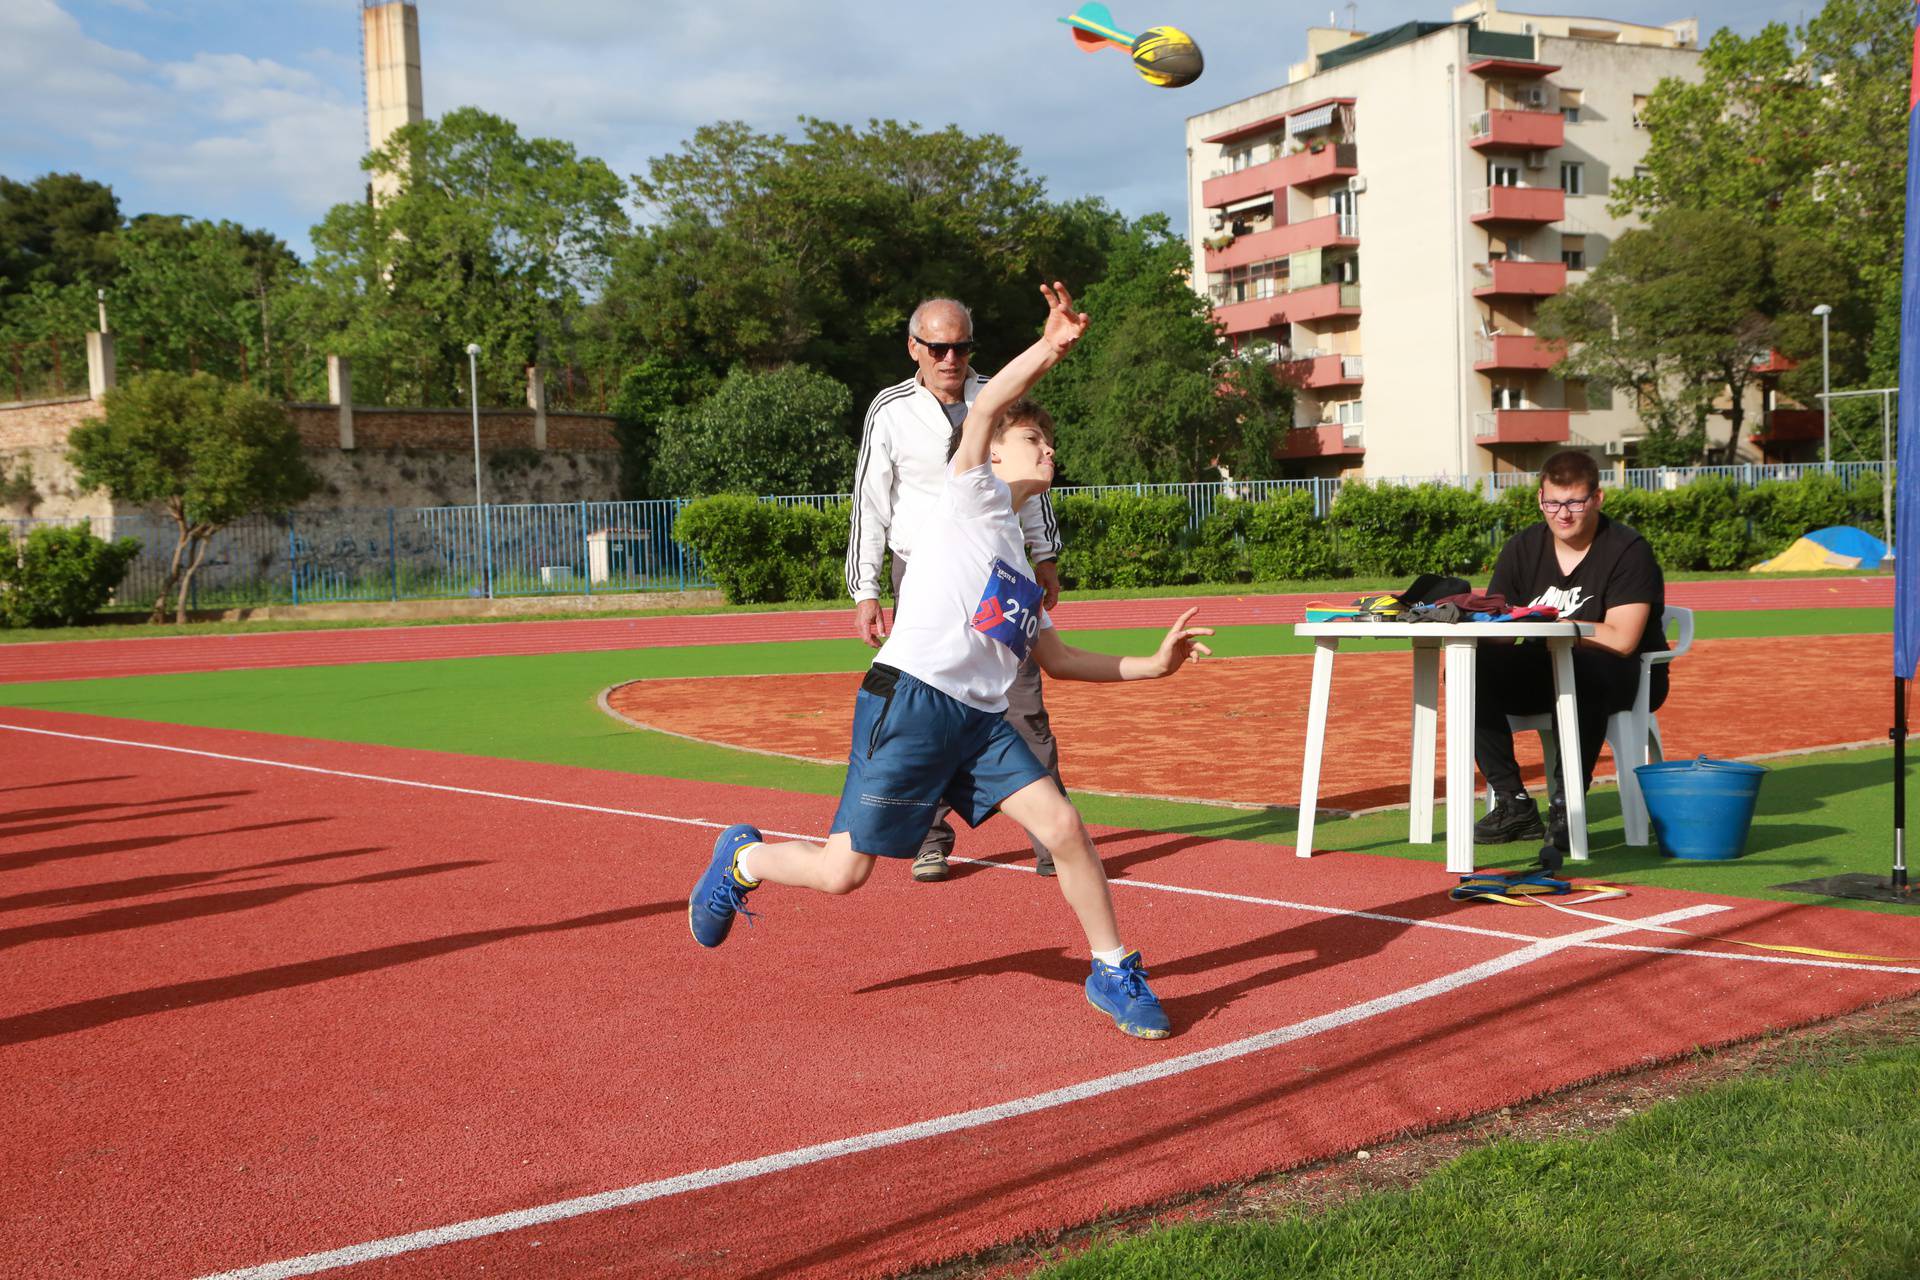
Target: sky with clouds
251,109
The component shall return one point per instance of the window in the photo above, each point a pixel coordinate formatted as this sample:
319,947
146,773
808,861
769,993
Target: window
1502,175
1573,177
1639,110
1508,395
1570,105
1577,395
1238,160
1573,252
1499,249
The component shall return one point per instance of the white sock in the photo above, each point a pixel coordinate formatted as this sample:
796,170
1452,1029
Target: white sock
740,871
1113,957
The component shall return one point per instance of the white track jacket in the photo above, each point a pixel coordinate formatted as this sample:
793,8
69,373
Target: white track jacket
899,477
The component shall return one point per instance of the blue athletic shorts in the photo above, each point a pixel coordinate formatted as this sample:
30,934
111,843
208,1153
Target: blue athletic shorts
914,746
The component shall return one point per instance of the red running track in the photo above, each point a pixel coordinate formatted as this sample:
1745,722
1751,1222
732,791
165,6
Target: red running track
256,1014
95,659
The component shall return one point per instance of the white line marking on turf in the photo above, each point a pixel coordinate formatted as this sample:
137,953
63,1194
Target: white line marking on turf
761,1166
1445,926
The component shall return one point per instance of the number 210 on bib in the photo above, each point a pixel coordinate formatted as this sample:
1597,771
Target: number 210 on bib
1009,608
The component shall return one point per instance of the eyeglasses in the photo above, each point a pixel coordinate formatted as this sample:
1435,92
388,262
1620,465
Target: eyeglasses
939,350
1572,506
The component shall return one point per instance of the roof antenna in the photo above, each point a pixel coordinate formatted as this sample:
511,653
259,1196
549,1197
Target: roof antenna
1353,15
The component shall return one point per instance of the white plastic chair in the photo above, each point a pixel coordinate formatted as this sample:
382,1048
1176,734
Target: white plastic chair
1633,734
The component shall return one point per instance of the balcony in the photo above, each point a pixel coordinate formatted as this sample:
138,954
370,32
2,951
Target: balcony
1517,130
1519,204
1313,370
1336,160
1788,426
1265,246
1513,278
1521,426
1328,440
1517,351
1315,303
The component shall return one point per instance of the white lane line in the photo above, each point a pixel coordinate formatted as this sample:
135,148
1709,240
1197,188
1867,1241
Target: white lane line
1478,931
761,1166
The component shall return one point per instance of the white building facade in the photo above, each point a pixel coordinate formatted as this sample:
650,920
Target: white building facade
1385,225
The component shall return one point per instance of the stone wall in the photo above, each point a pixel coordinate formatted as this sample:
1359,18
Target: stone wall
33,438
374,428
360,478
401,457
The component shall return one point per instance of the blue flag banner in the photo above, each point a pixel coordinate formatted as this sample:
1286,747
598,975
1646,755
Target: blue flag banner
1906,524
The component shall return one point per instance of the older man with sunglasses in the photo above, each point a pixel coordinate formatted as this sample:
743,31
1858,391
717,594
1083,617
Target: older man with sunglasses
897,481
1591,569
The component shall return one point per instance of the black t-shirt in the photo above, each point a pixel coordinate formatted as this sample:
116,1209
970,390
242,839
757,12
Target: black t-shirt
1618,569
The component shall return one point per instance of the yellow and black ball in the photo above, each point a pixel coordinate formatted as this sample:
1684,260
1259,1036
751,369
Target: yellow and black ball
1167,57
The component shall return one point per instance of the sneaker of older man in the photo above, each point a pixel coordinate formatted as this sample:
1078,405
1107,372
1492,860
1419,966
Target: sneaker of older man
930,866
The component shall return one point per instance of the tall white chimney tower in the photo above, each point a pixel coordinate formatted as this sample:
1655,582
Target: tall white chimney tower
390,36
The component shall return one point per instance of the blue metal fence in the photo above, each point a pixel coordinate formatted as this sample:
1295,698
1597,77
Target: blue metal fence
594,548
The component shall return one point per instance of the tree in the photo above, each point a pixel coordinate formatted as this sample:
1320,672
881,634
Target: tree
649,394
1802,130
491,238
764,250
207,450
201,296
1150,394
57,230
1679,313
762,432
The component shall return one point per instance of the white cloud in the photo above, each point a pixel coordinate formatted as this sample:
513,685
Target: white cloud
214,134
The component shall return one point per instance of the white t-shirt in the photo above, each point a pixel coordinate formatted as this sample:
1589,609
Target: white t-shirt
969,607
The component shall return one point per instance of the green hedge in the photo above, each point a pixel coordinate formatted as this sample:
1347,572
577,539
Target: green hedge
761,552
59,577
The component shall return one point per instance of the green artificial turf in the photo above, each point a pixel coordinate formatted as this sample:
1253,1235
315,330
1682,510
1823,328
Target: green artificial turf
1818,815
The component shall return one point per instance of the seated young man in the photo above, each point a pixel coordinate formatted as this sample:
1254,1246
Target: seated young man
929,721
1591,569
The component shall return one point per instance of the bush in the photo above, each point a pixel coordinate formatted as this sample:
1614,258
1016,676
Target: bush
1695,526
1122,539
1784,510
1396,531
1219,550
1286,541
59,577
778,431
761,553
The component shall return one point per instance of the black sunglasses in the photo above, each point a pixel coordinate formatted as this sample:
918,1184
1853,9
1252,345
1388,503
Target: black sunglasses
939,349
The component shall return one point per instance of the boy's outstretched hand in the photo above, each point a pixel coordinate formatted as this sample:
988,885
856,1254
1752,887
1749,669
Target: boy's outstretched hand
1065,326
1181,644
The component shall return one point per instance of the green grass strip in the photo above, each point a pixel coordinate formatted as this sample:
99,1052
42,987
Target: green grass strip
1811,1172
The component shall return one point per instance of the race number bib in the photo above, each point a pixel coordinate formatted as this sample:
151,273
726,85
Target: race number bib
1009,609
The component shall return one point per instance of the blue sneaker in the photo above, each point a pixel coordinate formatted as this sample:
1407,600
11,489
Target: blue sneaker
1121,990
718,895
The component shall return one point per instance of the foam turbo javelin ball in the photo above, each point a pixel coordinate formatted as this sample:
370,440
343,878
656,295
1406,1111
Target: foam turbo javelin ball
1167,57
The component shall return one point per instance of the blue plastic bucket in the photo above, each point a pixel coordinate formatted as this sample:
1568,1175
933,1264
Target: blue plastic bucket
1701,809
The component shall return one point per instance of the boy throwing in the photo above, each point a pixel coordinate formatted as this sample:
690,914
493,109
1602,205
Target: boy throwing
929,720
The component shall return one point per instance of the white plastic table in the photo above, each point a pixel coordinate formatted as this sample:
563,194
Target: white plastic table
1455,641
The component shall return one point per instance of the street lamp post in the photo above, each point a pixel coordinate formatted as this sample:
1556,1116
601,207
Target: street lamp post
1826,397
473,378
479,506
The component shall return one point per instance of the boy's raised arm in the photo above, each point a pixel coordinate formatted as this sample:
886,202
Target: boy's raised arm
1064,328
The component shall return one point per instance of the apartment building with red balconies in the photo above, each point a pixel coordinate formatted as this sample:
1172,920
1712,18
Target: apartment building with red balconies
1383,227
